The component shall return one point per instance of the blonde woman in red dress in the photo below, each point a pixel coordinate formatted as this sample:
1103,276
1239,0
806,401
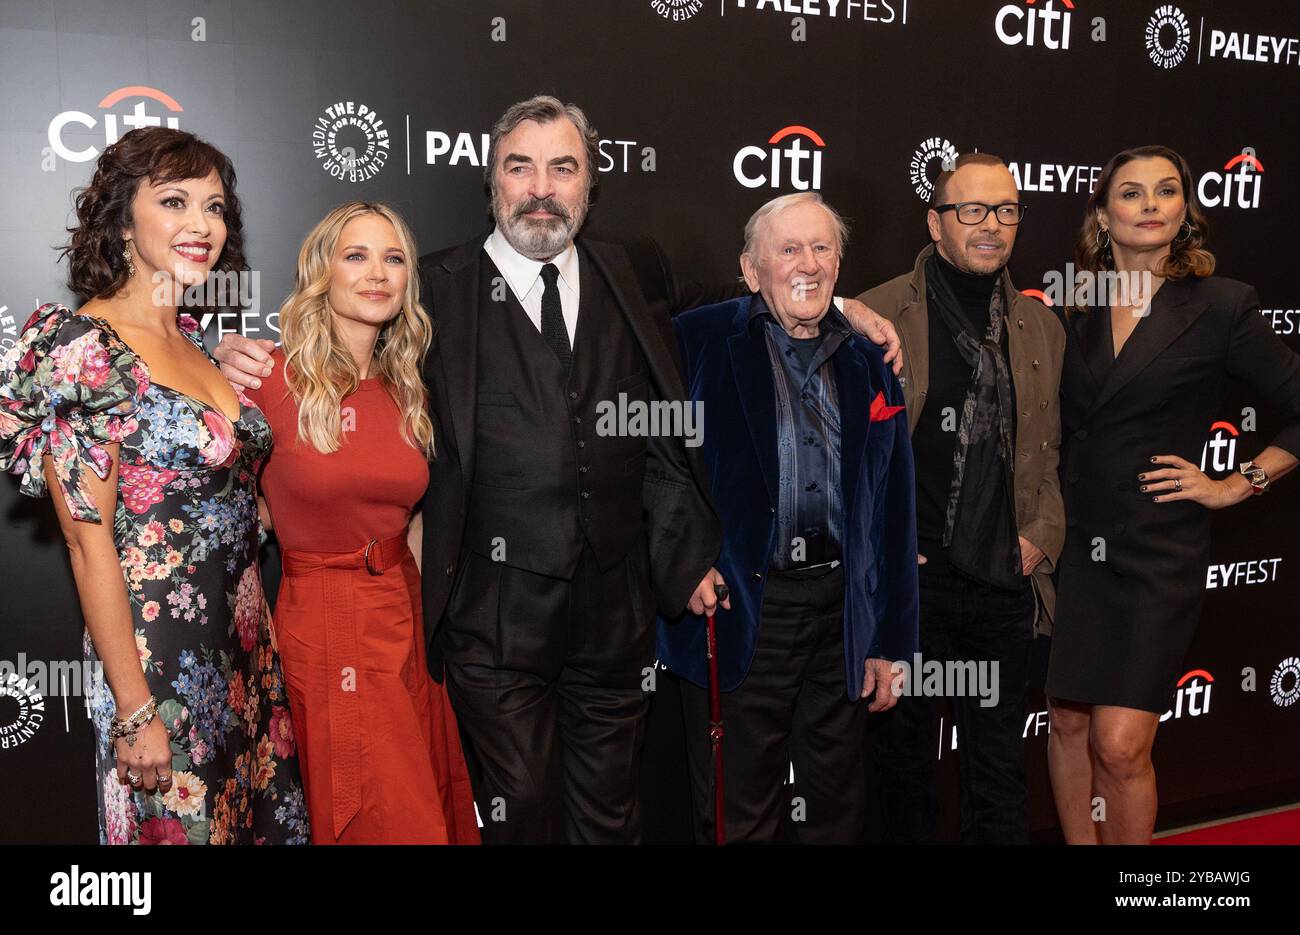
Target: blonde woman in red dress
378,741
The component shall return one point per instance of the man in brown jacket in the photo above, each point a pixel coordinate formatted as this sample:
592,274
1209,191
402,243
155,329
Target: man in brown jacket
981,375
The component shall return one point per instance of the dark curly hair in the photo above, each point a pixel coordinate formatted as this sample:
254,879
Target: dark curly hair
96,268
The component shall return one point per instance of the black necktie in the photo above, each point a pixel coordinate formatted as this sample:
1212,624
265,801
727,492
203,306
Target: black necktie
553,331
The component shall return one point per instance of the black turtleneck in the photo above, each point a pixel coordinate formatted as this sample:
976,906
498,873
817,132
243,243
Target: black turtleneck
972,290
950,376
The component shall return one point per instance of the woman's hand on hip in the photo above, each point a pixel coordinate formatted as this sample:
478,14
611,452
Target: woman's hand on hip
1183,480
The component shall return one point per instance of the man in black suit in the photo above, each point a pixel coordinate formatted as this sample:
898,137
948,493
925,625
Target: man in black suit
548,546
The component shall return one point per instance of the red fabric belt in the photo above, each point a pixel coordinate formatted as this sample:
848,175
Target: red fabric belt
375,557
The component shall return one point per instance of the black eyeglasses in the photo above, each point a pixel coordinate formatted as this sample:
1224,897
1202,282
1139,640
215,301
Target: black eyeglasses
973,212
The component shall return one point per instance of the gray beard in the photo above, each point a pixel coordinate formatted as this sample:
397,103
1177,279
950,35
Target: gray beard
539,240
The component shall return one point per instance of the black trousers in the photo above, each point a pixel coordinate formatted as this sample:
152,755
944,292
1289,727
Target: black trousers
792,710
546,677
962,620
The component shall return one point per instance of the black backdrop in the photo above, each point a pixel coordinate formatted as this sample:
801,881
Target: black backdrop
877,89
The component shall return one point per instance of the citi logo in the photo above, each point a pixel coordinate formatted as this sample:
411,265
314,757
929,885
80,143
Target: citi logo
1045,25
152,108
1237,186
1220,451
1192,697
755,166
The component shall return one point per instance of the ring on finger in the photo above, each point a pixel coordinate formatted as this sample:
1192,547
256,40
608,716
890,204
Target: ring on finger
134,778
1178,483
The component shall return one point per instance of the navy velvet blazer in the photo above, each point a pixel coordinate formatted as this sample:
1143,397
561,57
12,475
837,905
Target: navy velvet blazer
728,369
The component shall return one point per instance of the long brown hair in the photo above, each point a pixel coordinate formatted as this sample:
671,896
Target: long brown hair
1187,256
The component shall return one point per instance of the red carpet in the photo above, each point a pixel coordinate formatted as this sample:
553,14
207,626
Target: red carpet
1277,828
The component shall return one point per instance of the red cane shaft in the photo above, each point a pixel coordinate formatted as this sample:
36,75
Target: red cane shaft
715,733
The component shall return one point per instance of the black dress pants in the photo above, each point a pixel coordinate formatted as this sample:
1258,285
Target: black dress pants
792,711
962,620
546,677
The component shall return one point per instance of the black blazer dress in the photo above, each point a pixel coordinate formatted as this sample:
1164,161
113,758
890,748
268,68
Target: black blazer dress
1124,623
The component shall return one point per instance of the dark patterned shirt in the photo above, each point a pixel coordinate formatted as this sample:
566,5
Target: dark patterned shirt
809,513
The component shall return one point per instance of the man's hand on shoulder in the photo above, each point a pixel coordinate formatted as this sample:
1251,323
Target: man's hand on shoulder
244,361
877,329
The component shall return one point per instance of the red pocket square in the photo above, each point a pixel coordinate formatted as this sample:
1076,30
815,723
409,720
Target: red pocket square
881,412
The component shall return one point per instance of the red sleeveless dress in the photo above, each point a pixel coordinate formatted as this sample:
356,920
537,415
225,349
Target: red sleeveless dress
377,740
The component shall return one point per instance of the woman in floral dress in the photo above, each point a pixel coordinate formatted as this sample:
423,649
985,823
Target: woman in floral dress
119,411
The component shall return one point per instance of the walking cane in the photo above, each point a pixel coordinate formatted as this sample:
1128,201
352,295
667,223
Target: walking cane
715,722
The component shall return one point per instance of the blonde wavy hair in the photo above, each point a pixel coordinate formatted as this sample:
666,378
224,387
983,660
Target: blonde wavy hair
321,371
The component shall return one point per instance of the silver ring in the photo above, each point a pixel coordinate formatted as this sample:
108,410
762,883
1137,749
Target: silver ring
1178,483
134,778
167,778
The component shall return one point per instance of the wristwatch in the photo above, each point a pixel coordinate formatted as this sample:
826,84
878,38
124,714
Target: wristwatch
1257,476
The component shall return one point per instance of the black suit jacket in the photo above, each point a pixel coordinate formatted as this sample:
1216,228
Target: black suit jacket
1132,574
1160,396
683,531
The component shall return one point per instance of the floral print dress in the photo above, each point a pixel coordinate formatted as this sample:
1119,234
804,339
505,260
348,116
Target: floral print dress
186,530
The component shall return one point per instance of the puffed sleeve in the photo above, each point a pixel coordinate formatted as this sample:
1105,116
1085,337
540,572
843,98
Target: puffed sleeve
67,388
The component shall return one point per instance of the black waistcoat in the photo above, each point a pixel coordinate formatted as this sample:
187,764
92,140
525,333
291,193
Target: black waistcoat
544,480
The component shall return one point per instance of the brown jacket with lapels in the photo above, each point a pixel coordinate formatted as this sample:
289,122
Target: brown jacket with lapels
1036,346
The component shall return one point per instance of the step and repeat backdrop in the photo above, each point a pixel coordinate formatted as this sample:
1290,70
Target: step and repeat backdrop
706,109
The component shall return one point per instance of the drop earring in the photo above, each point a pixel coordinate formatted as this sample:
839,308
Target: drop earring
126,255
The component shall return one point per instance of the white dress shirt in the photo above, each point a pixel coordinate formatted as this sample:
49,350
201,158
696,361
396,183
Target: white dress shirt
524,277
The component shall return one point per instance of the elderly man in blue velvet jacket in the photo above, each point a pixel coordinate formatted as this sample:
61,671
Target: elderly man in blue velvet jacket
810,467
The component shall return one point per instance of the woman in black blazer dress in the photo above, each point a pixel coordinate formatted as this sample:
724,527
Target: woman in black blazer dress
1134,420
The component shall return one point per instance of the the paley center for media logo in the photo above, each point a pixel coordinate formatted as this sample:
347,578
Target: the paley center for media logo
1284,685
1168,36
351,141
677,10
929,159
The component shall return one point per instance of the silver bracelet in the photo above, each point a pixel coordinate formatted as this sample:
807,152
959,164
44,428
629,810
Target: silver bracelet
133,724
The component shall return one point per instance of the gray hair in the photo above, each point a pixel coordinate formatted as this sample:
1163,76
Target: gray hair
757,220
543,109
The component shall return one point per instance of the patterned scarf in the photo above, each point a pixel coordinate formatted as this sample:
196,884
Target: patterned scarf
980,523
